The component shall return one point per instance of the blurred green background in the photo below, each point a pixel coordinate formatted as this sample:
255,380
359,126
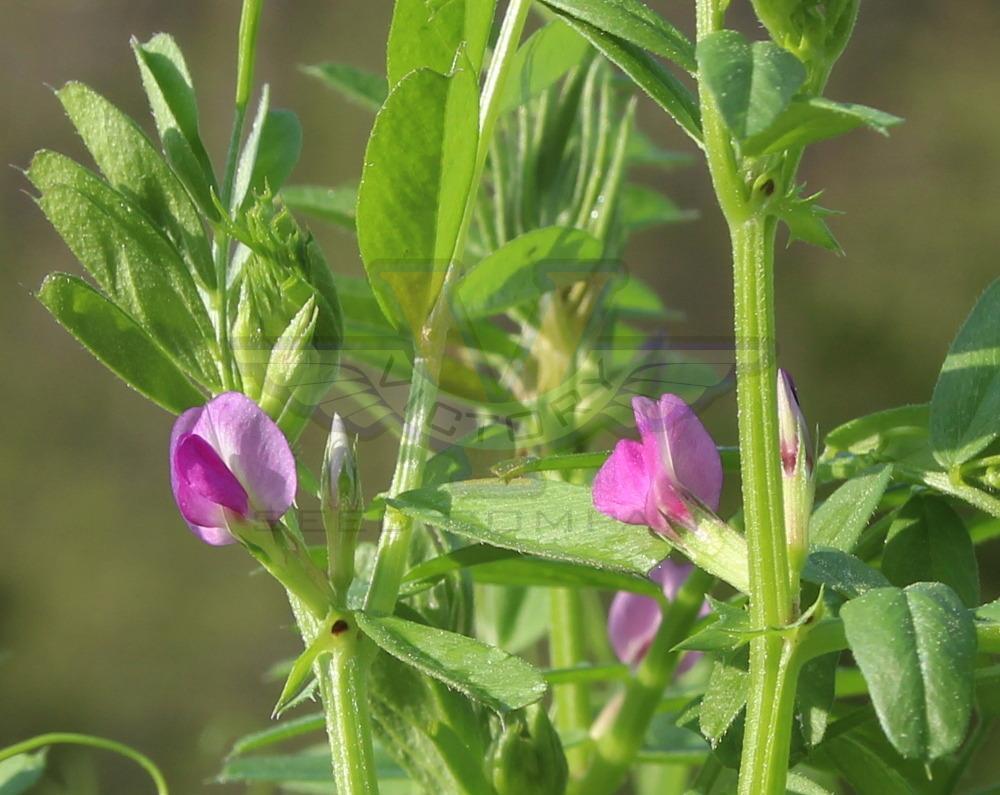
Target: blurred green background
115,620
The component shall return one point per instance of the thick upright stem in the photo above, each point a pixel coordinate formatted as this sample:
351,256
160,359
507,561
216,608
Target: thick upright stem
771,692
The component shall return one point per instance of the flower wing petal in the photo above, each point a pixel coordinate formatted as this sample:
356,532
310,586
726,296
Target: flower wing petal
632,624
621,484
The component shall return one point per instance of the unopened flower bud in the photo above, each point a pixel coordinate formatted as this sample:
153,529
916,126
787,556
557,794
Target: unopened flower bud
798,486
341,484
527,757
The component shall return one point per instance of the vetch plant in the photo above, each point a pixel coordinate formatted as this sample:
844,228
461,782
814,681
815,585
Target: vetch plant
459,631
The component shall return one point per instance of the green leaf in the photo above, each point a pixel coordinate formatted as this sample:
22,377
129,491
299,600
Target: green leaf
643,208
269,154
726,695
133,166
525,268
334,205
546,56
363,88
634,22
870,765
839,521
434,733
412,197
20,773
278,152
879,433
138,268
928,542
547,518
494,566
965,407
427,34
631,297
514,618
484,673
279,733
842,573
805,221
751,84
647,73
117,341
168,85
916,648
814,696
728,632
811,119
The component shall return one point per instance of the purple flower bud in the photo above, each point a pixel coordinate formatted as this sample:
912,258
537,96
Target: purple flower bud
633,619
229,465
797,487
652,482
792,431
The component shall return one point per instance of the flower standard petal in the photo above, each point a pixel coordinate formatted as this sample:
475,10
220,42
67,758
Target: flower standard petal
621,484
254,449
680,456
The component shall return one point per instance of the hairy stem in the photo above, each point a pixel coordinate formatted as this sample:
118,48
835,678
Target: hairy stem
566,649
763,768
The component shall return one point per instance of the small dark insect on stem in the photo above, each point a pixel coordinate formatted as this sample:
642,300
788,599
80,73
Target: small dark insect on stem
339,627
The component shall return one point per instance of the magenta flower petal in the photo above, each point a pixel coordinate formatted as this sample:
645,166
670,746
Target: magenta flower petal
214,534
680,456
621,485
206,484
254,449
633,620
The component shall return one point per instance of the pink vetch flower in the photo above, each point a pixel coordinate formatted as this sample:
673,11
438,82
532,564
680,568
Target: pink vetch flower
652,481
633,619
229,465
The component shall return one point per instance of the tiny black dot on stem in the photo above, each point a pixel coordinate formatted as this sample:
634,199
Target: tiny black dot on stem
339,627
768,187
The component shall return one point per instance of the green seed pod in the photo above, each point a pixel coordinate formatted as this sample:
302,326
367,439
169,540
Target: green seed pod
527,758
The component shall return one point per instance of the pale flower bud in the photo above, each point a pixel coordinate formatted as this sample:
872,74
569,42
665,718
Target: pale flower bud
797,466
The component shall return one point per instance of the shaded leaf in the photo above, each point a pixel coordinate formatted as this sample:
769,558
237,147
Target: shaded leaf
839,521
484,673
965,407
751,84
363,88
546,56
412,199
916,648
335,205
117,341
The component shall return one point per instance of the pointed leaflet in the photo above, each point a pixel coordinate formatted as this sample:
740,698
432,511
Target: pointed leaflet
751,84
484,673
335,205
117,341
916,648
547,518
418,172
171,95
839,521
928,542
427,34
546,56
647,73
269,154
365,89
133,166
965,408
138,268
526,267
633,22
812,119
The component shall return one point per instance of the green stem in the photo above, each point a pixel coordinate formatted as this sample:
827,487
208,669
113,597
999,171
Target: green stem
763,768
567,648
65,738
619,740
344,689
394,542
247,48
